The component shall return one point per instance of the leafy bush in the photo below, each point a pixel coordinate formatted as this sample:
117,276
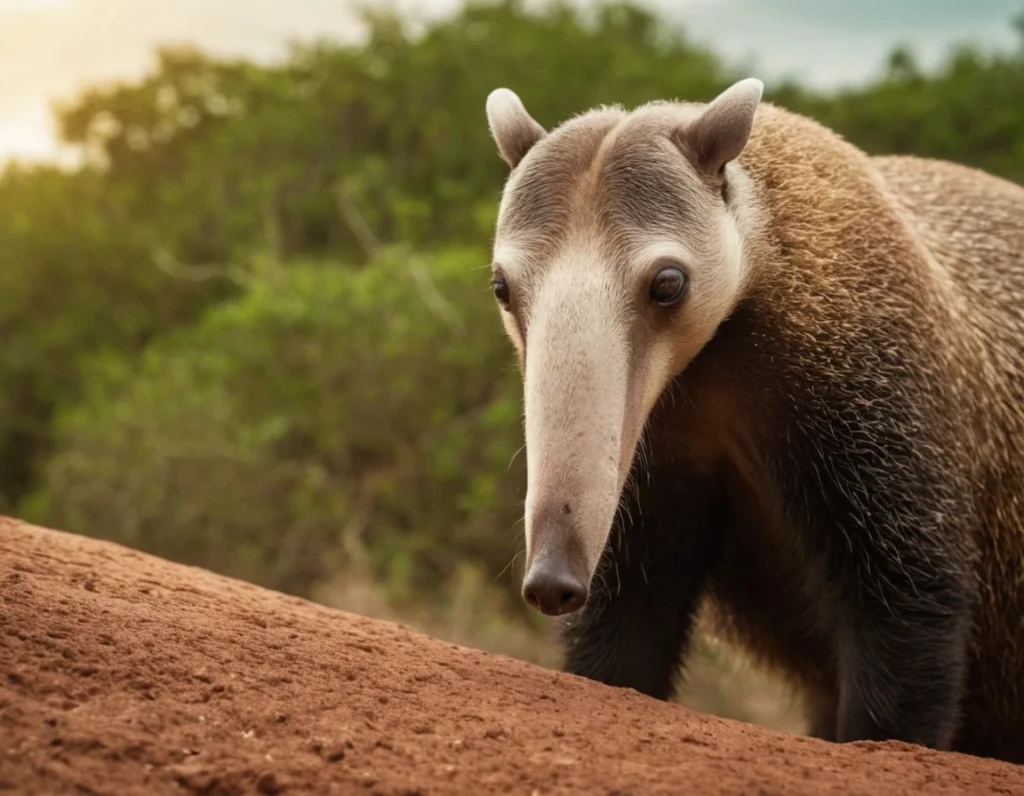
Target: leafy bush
326,411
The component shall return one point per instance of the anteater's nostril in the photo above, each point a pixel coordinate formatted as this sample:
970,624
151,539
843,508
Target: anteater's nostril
553,591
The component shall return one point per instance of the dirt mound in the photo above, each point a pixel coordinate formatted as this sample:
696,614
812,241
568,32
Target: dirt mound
121,673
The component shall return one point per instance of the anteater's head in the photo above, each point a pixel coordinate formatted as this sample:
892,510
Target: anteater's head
619,250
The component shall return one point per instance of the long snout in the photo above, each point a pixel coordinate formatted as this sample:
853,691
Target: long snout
557,581
576,397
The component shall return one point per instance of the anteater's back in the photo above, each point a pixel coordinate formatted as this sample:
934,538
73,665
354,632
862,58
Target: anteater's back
973,225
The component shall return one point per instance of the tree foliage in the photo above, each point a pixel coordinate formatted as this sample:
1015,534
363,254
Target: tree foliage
330,414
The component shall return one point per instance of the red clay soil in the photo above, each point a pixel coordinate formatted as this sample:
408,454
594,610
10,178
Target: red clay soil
124,674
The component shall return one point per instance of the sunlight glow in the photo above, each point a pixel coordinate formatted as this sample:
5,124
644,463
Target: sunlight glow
27,134
33,5
26,142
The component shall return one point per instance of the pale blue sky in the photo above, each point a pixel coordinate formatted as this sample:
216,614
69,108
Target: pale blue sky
49,48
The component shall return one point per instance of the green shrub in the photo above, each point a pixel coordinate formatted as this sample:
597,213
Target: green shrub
327,413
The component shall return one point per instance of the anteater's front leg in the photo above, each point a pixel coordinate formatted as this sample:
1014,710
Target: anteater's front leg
886,522
635,628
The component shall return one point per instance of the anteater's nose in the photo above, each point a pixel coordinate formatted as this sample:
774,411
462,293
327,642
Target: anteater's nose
552,588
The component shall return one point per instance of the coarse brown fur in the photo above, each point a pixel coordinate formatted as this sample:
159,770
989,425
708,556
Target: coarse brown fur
839,469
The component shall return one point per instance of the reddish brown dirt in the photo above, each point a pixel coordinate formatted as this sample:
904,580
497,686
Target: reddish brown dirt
124,674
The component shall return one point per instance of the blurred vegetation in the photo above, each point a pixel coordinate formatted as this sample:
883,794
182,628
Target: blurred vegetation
254,331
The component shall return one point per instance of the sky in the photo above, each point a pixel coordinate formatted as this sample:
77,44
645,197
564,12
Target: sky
51,48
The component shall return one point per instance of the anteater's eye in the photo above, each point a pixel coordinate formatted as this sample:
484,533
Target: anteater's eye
500,287
669,286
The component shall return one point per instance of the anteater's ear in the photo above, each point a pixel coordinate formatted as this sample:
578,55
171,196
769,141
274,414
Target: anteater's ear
723,128
513,129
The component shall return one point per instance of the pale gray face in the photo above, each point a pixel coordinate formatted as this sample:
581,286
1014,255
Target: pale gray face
618,252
